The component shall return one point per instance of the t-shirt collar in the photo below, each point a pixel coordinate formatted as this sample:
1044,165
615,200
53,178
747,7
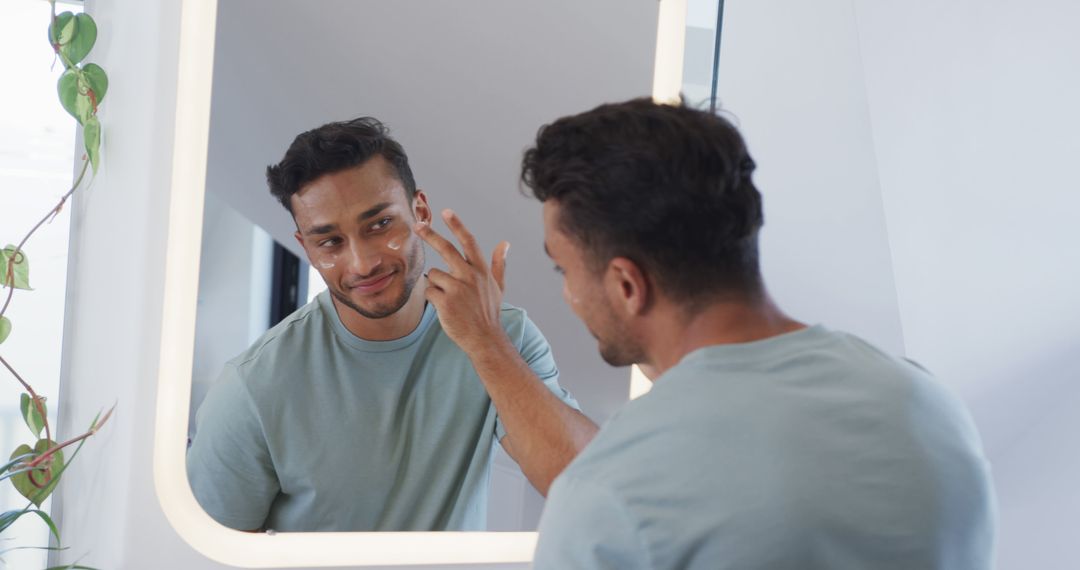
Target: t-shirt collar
327,306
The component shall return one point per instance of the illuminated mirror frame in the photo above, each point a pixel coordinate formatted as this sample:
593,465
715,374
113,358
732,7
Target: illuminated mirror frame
284,550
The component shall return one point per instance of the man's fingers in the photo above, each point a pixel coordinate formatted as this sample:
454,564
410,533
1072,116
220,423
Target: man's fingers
498,264
441,246
473,254
439,278
435,296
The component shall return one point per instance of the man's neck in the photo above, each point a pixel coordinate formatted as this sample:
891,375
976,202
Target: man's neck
676,333
391,327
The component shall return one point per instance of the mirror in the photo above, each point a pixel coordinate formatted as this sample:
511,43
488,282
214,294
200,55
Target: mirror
463,86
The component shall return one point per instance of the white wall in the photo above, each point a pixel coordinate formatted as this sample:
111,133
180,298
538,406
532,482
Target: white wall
791,77
948,130
974,110
233,306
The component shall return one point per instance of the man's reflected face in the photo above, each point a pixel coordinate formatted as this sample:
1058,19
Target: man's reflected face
356,227
583,290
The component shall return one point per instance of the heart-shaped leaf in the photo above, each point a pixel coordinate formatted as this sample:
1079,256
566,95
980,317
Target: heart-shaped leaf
19,267
97,80
85,36
83,108
32,414
22,481
67,87
5,328
36,485
63,29
92,141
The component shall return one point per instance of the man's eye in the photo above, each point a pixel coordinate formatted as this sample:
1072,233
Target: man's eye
559,270
330,242
381,224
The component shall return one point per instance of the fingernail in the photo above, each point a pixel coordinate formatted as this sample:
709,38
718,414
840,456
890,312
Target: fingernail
448,213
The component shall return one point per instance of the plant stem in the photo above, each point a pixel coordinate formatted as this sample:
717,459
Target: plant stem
19,378
33,398
56,448
9,280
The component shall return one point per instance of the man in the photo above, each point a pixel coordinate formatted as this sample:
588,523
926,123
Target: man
364,410
764,443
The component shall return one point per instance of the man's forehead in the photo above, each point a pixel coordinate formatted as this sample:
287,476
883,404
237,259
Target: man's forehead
556,242
348,191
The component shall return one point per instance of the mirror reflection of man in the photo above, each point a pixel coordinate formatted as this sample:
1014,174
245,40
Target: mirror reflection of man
764,442
363,411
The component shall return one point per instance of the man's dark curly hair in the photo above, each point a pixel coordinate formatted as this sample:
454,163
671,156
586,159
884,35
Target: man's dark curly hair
668,187
332,148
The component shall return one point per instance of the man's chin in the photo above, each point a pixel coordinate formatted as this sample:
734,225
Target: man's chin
615,356
370,308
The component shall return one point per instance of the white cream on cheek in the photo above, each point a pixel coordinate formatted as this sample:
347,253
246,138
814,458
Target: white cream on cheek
570,299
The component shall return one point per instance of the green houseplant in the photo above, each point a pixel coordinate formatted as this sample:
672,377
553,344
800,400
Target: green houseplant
35,468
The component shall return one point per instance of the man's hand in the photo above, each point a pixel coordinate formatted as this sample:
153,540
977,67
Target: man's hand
468,297
543,433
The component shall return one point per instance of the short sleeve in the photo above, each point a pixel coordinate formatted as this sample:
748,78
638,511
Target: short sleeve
585,526
534,349
228,464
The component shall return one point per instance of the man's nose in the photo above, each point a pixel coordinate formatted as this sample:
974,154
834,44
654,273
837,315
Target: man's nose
364,260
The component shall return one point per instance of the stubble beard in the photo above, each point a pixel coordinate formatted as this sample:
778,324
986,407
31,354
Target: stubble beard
620,352
383,310
617,346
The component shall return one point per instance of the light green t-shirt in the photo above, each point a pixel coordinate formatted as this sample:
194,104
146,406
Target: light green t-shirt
314,429
811,450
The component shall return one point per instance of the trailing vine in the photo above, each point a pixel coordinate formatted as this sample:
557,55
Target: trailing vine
35,469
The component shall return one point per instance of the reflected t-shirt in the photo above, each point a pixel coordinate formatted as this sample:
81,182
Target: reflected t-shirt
810,450
314,429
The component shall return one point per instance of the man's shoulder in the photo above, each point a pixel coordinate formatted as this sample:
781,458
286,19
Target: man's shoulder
283,341
515,321
638,435
512,313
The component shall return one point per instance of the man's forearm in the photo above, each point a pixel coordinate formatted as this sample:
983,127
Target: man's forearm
543,433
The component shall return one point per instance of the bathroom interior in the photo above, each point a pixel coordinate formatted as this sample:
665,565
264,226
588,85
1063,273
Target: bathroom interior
915,162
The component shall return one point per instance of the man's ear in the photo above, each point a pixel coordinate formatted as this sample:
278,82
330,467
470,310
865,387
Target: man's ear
627,286
420,208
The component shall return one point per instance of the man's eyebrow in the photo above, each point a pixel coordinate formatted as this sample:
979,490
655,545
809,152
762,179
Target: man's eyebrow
374,211
320,230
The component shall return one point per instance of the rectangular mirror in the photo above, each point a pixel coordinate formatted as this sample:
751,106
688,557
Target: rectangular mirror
464,87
